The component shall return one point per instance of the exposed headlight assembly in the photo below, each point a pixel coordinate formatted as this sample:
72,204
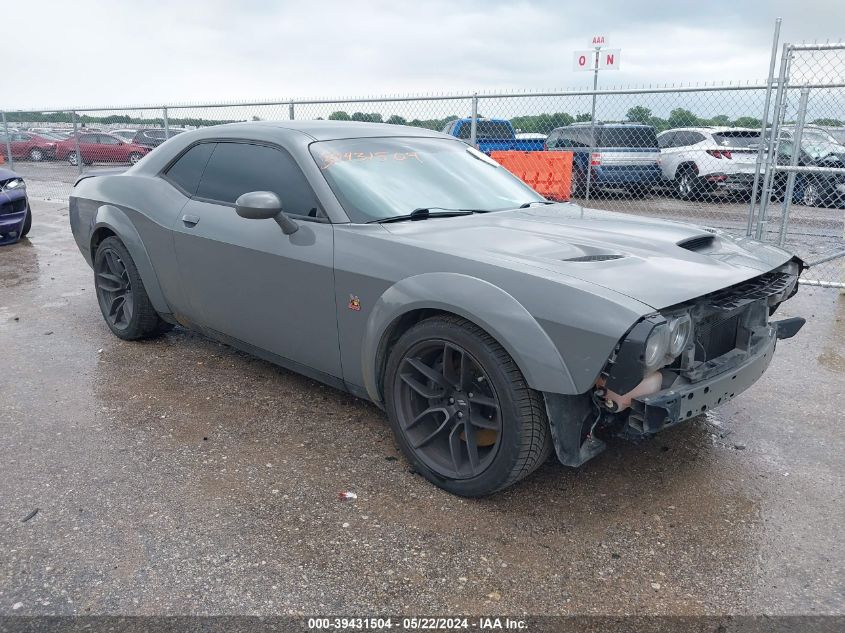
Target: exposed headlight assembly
680,332
656,347
14,183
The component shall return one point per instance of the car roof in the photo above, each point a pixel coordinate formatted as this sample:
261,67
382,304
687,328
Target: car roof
330,130
711,129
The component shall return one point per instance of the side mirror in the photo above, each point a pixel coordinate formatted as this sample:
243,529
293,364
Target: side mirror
264,205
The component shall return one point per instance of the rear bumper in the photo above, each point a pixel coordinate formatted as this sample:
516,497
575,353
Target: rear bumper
686,400
627,175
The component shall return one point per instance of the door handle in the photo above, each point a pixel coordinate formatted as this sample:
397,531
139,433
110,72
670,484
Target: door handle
190,220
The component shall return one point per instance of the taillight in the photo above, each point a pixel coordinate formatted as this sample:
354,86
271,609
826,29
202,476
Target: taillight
545,147
595,159
720,153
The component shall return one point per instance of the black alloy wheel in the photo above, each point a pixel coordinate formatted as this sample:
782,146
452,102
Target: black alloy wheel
448,409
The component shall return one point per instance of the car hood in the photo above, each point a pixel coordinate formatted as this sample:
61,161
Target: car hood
6,174
657,262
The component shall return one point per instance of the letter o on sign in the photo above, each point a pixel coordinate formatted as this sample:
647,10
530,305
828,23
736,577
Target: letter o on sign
582,60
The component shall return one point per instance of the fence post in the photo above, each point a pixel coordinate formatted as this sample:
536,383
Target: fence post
8,142
473,126
774,140
764,122
166,122
796,151
76,142
290,111
592,124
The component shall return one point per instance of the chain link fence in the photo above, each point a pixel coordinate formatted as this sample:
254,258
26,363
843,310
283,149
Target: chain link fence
687,153
804,178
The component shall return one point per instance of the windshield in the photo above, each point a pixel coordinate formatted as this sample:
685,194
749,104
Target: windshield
635,136
814,135
377,178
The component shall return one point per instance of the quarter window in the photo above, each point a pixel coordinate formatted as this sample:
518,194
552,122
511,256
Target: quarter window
187,171
237,168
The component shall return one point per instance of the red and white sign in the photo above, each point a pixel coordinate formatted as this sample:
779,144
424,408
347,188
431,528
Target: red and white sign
584,60
609,58
598,40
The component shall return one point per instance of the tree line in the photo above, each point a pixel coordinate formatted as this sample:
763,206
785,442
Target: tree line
536,123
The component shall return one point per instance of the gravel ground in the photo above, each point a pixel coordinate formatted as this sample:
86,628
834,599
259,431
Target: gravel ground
179,476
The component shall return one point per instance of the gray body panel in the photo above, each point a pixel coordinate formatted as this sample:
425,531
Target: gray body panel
289,297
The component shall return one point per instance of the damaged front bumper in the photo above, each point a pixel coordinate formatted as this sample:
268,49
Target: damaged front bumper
685,399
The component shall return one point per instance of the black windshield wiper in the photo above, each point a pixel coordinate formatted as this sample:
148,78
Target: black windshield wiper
425,213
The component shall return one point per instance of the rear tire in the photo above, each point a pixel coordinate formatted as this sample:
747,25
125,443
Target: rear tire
686,187
123,299
36,155
503,423
73,159
134,157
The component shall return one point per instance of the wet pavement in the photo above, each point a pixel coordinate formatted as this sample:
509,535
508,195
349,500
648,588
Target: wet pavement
181,476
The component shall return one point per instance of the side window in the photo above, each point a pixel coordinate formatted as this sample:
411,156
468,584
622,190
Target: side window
665,140
88,138
551,140
695,137
187,171
237,168
105,139
465,131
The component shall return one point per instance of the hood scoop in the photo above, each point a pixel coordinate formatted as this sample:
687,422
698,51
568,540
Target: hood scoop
698,243
594,258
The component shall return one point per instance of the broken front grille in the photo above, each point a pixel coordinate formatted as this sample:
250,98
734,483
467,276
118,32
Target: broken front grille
749,291
15,206
715,336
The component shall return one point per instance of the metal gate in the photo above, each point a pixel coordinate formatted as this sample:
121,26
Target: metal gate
802,184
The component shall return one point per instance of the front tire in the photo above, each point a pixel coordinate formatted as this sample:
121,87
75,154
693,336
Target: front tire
36,155
27,223
123,299
73,158
461,410
811,195
134,157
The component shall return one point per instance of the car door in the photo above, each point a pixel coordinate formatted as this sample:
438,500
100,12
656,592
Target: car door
110,149
246,279
22,144
88,147
669,156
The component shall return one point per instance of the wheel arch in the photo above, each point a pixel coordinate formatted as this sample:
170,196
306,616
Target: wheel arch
480,302
112,221
687,165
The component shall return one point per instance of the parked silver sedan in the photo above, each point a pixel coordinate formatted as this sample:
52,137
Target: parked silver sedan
405,267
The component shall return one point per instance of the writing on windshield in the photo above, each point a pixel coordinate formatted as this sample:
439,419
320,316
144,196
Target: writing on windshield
333,158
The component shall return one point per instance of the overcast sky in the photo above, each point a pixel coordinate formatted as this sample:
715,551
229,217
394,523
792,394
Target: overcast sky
82,52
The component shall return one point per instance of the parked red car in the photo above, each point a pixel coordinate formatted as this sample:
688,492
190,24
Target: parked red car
100,148
28,146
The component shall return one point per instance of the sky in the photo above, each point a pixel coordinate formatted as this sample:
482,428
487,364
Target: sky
76,53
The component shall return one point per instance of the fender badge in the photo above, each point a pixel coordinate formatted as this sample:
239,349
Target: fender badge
354,303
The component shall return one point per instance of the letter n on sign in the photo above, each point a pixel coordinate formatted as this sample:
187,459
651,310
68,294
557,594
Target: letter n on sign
609,59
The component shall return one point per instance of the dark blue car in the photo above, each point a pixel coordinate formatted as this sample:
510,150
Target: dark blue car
619,156
15,215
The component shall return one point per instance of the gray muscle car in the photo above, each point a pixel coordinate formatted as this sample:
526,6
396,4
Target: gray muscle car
398,264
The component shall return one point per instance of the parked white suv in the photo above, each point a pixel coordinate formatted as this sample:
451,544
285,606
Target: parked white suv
701,160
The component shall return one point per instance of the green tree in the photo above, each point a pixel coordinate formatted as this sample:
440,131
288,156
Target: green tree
828,122
584,117
639,114
395,119
721,119
679,117
748,121
339,115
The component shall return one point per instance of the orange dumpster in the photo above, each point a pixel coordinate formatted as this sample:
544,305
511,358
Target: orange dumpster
548,173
